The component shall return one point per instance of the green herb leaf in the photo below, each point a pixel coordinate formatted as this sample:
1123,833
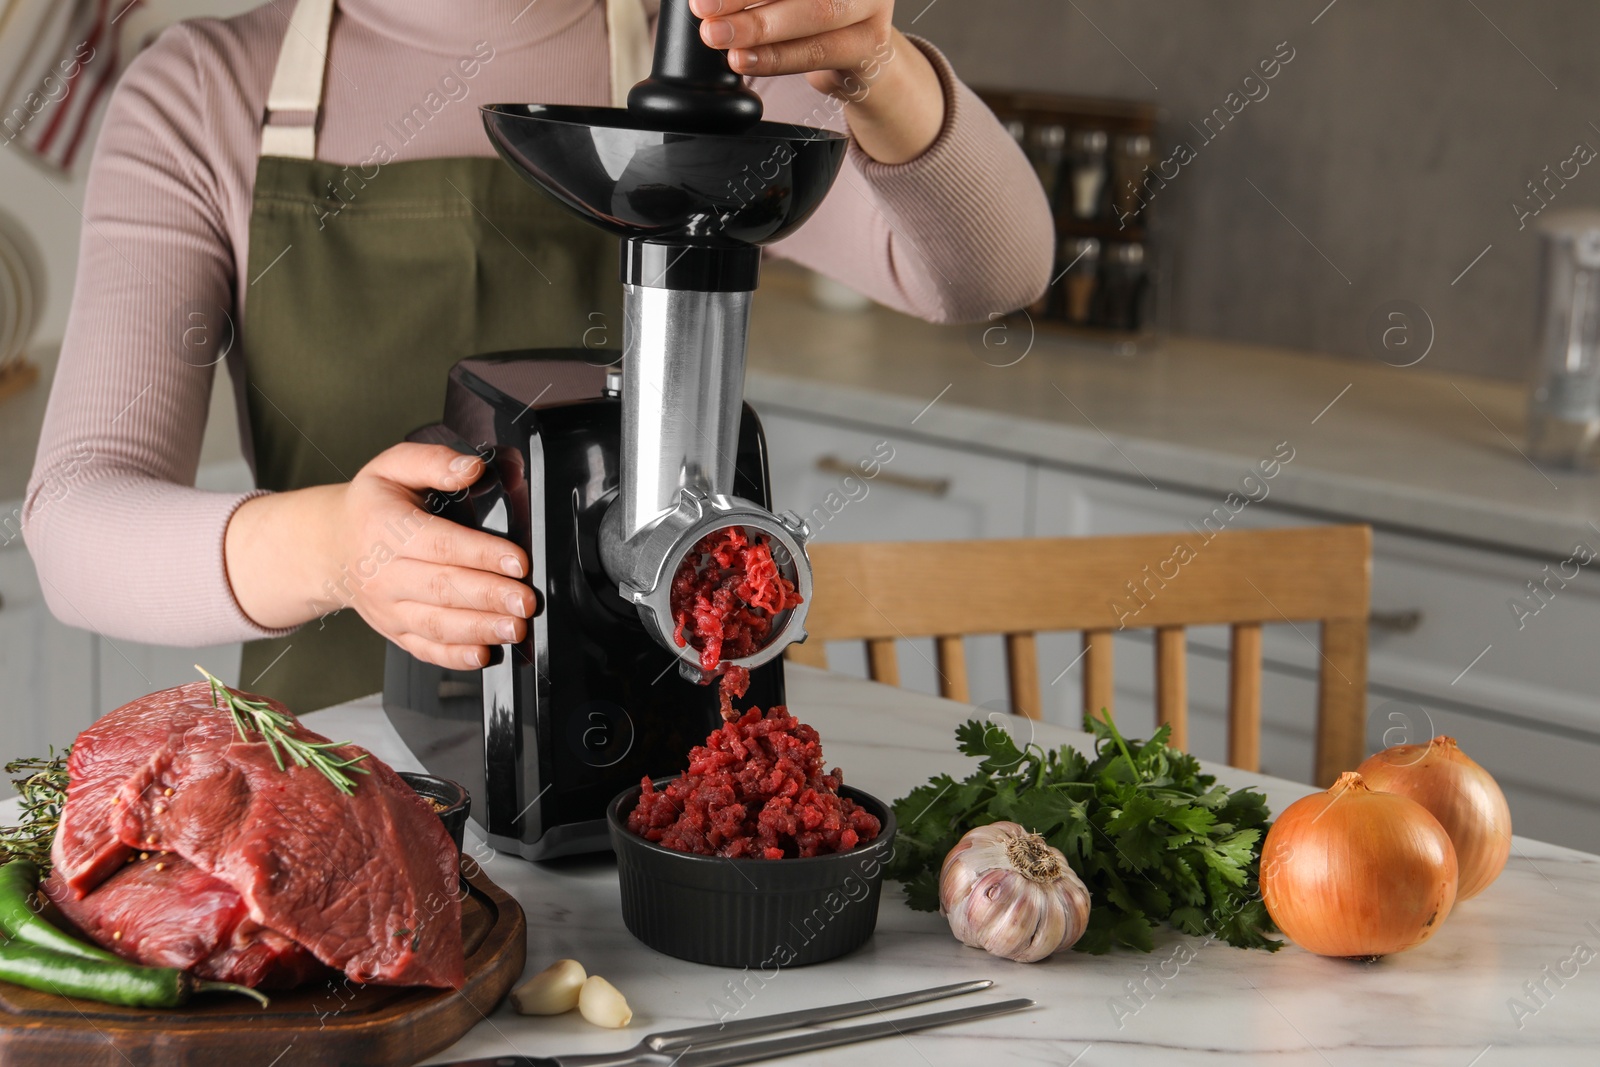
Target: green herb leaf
922,891
43,791
280,732
1153,838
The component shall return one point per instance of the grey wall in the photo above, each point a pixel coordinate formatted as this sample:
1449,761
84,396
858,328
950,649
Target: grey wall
1396,140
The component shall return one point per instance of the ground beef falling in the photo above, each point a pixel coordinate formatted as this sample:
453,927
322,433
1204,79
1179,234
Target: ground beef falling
756,789
724,598
734,684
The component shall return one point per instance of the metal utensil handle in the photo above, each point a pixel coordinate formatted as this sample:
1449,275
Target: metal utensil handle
1395,622
798,1043
718,1033
915,483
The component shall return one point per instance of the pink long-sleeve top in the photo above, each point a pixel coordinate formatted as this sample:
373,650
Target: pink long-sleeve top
123,542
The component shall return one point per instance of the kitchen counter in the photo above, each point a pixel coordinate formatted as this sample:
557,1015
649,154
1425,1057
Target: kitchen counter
1405,448
1445,1003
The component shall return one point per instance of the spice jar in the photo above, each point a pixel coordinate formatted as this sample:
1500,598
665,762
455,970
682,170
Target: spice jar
1087,169
1047,149
1082,256
1127,166
1122,286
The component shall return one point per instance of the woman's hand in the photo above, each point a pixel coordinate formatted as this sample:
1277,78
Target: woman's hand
846,48
442,592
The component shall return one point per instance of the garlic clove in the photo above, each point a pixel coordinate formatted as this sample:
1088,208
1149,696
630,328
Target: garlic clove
601,1003
552,991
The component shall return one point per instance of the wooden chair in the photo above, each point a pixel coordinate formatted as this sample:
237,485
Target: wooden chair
878,592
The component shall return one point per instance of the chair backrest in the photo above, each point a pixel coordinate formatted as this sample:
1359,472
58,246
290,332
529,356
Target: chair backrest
877,592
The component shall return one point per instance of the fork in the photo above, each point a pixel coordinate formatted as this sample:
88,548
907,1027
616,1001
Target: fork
708,1046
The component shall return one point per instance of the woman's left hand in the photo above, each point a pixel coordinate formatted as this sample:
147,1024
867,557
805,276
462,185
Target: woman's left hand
846,48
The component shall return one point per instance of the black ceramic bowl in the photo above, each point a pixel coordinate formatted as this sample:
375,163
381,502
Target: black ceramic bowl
750,912
451,799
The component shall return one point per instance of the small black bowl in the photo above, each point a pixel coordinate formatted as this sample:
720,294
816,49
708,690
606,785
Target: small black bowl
457,803
750,912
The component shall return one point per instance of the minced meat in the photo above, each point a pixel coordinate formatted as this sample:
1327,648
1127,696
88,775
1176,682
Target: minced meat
756,789
724,598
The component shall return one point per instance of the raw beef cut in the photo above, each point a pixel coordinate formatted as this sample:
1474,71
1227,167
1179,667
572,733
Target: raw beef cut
365,882
165,912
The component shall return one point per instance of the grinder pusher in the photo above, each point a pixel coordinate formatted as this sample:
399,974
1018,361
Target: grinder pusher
612,496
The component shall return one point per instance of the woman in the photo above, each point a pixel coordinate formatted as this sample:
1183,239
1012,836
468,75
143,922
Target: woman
325,183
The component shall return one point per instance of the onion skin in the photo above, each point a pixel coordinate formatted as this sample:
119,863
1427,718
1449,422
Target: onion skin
1024,913
1357,873
1460,794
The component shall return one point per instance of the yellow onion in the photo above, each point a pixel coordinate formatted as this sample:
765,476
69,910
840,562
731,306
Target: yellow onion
1460,794
1006,891
1359,873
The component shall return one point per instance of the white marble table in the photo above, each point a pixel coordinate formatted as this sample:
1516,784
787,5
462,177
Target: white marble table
1447,1003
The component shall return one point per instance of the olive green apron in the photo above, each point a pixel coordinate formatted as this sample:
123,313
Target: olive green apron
349,336
365,286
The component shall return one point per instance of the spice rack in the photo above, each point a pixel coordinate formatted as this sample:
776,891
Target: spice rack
1091,157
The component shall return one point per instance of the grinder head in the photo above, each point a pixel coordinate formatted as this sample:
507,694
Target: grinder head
652,560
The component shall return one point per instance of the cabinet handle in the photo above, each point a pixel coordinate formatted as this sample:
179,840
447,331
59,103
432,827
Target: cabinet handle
1395,622
930,486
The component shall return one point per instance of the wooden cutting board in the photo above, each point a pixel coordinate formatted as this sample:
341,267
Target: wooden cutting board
329,1021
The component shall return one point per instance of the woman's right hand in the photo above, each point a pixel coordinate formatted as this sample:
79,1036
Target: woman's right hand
441,591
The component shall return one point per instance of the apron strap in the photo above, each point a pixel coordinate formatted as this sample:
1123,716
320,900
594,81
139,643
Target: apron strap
303,57
297,82
628,39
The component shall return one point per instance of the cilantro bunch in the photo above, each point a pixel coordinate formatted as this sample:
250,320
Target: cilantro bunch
1153,839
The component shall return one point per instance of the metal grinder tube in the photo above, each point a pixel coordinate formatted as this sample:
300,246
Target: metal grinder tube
682,398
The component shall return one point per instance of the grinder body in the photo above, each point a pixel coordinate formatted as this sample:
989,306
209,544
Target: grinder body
591,701
612,496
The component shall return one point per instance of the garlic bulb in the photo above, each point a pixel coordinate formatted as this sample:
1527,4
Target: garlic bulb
1006,891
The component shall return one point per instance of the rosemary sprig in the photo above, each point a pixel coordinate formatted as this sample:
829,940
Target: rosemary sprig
277,730
43,790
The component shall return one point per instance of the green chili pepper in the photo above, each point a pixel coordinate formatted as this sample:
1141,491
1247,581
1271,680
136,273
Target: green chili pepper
122,983
20,919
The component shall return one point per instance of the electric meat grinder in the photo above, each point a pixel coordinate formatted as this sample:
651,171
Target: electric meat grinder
610,480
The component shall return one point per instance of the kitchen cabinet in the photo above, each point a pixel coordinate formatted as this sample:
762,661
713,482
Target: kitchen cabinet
922,491
129,669
1436,606
47,669
1524,707
56,679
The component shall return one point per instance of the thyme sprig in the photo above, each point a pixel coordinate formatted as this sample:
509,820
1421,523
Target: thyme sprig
278,731
43,789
